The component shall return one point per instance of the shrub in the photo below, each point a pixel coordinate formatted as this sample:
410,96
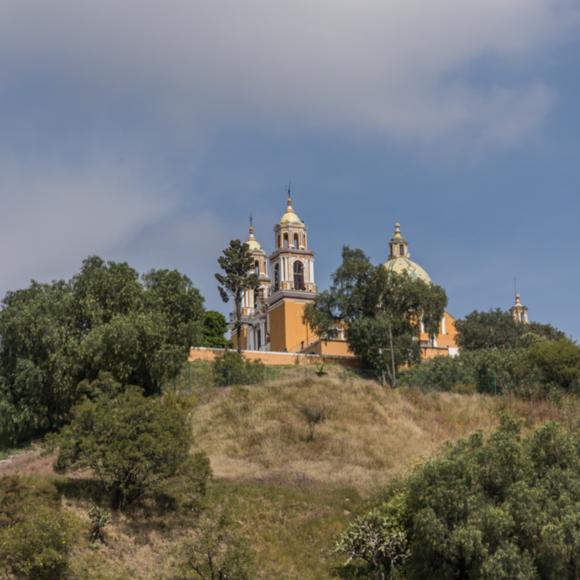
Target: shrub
36,538
313,415
441,373
231,368
100,518
214,550
503,508
379,539
133,444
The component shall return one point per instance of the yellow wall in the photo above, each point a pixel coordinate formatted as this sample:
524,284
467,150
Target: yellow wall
275,358
330,347
447,339
288,332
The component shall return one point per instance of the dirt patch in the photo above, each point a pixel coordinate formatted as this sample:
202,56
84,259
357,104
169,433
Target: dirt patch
29,462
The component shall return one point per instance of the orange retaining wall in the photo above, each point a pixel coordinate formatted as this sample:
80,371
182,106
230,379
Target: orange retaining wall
274,358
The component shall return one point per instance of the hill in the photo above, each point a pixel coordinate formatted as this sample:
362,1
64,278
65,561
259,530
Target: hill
294,460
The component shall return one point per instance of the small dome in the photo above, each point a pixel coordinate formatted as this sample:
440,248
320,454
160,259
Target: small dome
252,242
290,216
253,245
401,264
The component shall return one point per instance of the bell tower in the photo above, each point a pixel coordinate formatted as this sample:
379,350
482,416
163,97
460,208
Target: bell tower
519,311
255,302
292,284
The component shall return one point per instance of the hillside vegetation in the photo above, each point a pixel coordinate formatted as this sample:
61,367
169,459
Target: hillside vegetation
294,460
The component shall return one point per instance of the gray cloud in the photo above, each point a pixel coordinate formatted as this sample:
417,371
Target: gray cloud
52,217
398,68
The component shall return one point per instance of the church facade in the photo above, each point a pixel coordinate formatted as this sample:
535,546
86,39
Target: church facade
272,316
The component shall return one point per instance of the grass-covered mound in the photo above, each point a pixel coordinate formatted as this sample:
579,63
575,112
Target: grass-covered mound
295,459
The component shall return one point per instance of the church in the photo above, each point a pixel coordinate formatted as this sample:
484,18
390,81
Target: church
272,316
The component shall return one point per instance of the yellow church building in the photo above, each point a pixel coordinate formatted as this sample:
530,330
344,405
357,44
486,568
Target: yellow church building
272,316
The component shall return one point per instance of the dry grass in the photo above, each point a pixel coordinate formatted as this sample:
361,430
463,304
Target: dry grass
290,496
370,435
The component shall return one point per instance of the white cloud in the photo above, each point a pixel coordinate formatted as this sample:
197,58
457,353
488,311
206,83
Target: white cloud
387,66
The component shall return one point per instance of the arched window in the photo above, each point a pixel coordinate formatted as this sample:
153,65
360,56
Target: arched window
285,240
296,242
279,241
298,275
401,250
276,276
256,267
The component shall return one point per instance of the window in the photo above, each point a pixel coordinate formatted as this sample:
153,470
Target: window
276,277
285,240
401,250
296,242
298,275
259,339
279,241
257,267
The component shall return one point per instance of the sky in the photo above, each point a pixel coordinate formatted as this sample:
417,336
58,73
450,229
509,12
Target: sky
148,131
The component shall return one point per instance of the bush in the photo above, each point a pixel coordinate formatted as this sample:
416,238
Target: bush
491,371
503,508
441,373
133,444
214,550
36,538
558,363
231,368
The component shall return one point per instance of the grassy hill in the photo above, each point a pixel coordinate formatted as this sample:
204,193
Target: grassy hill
290,491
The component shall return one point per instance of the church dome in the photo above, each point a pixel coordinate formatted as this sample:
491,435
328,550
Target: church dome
400,259
400,265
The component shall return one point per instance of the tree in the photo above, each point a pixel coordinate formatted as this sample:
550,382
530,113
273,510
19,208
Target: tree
238,267
498,329
133,444
215,327
381,311
493,329
503,507
558,363
57,339
175,298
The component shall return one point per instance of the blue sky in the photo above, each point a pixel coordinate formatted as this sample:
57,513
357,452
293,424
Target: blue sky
148,131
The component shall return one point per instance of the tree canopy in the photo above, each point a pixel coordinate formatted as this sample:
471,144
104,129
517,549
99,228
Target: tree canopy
498,329
56,338
380,310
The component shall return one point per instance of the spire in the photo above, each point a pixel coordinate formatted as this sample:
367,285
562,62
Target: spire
290,216
252,242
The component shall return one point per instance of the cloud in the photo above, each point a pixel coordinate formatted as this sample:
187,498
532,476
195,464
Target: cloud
398,68
52,217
